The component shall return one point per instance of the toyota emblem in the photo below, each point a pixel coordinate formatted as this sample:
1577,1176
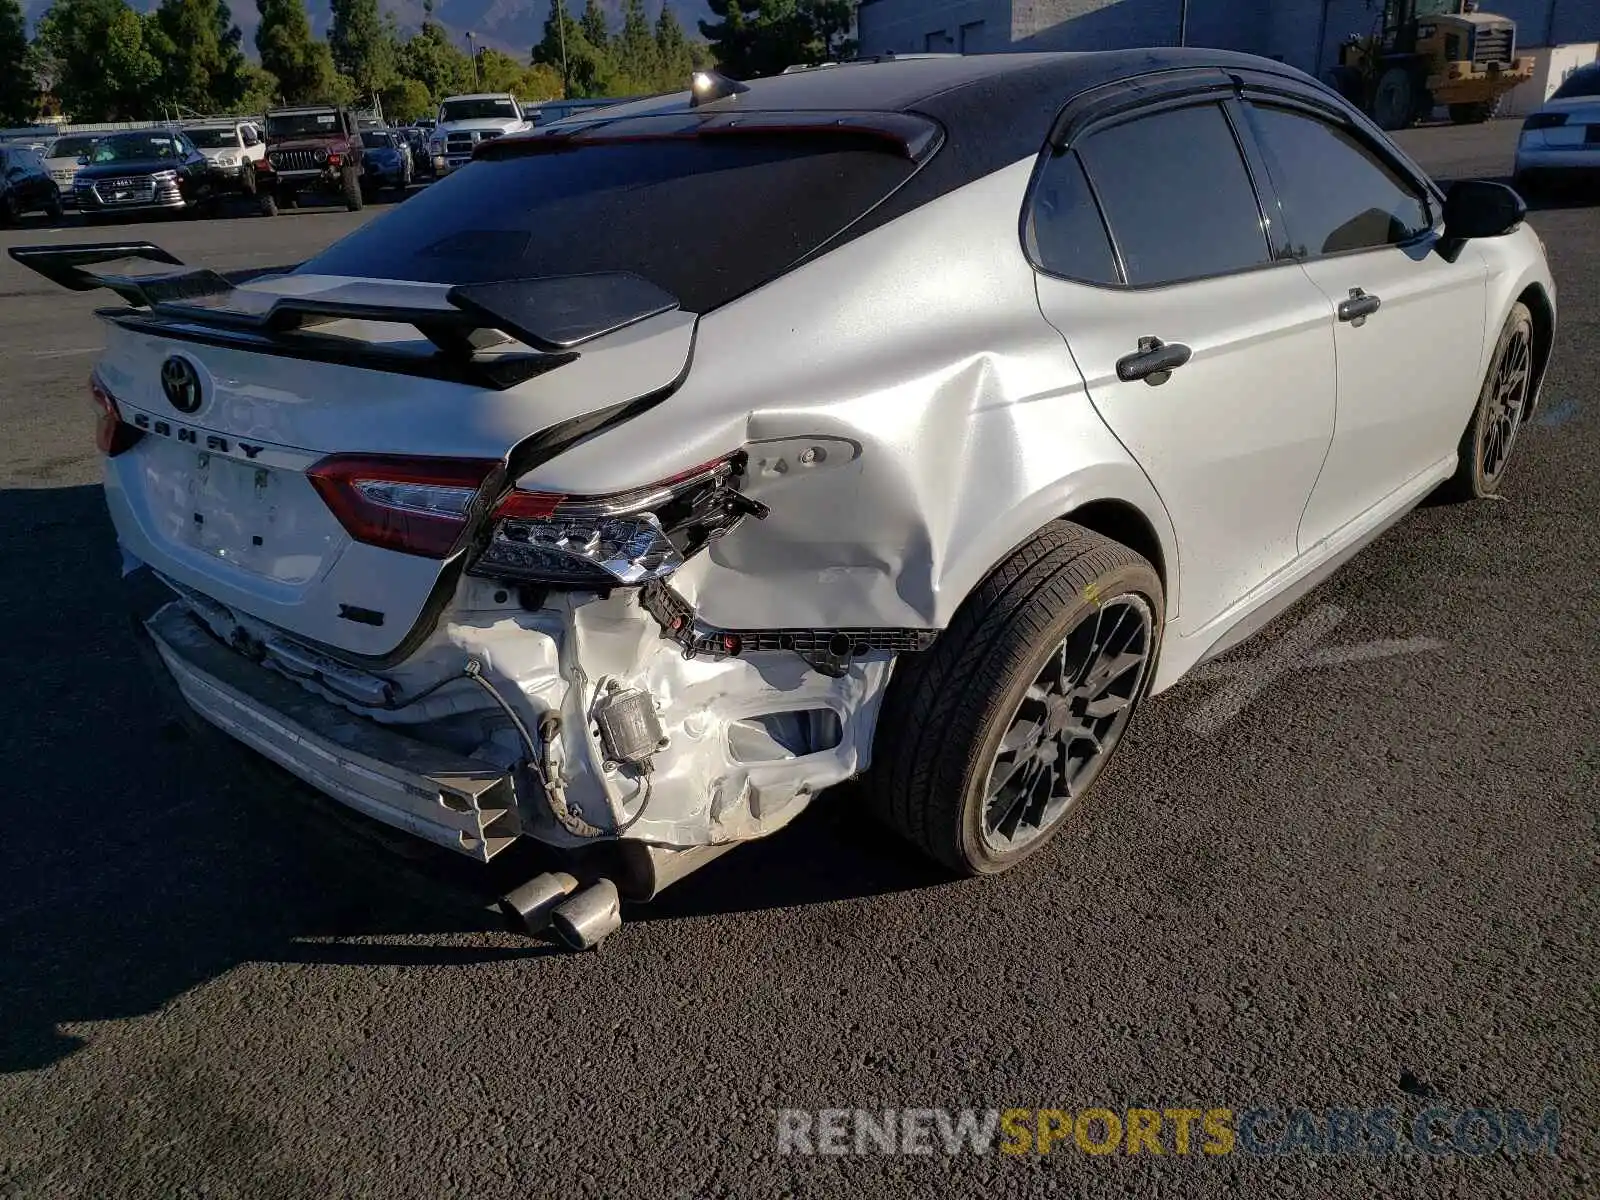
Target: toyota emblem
181,384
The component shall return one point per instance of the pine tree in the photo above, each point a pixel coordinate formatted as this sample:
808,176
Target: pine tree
303,66
202,68
362,45
673,50
634,48
595,28
19,92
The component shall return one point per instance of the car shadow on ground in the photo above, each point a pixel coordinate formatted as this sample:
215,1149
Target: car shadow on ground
143,859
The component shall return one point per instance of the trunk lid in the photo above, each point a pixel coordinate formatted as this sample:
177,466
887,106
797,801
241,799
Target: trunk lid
215,493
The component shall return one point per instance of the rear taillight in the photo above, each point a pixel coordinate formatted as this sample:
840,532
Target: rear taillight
111,433
617,540
414,505
1544,120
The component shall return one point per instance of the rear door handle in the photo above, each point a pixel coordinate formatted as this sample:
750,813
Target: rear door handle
1154,361
1359,307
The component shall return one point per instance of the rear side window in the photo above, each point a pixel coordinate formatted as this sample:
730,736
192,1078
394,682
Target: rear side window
705,219
1337,194
1065,234
1177,196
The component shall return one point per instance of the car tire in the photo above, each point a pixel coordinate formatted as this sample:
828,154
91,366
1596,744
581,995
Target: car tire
267,204
982,694
1503,402
1394,100
350,187
53,208
10,210
247,180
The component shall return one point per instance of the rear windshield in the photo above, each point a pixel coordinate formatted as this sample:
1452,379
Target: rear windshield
71,147
213,139
303,124
707,220
376,141
1582,83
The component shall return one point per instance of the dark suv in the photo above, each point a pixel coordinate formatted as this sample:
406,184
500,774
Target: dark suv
311,148
26,185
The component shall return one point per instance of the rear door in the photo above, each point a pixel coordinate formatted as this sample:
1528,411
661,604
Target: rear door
1232,438
1409,337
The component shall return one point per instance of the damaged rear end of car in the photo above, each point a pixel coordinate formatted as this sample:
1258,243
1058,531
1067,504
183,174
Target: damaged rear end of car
335,472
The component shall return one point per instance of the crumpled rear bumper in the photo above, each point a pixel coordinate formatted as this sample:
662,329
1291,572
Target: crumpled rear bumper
461,803
738,748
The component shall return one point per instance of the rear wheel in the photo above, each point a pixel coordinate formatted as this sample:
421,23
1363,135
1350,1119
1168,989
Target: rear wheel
267,203
1474,114
350,187
1486,443
247,180
10,209
990,740
1394,104
53,207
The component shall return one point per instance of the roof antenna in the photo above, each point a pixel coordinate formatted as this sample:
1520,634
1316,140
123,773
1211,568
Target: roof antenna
708,85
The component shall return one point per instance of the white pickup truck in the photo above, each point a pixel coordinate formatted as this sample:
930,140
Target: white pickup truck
464,121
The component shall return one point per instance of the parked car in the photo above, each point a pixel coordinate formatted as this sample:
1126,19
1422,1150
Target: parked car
386,163
235,150
416,141
62,159
312,148
26,186
464,121
548,506
1561,142
145,170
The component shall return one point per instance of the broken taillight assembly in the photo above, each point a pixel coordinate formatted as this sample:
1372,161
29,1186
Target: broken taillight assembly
112,434
417,506
622,539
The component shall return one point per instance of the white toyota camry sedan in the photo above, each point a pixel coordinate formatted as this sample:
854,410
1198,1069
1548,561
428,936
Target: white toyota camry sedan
910,419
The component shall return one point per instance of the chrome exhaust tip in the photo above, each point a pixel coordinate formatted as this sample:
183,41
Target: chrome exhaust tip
527,909
586,918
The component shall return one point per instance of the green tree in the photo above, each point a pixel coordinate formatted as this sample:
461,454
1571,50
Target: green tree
407,99
433,60
589,68
634,49
105,68
302,65
197,43
362,45
674,53
19,88
499,72
259,92
595,26
762,37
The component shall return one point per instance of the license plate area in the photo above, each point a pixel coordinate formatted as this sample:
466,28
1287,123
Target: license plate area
262,520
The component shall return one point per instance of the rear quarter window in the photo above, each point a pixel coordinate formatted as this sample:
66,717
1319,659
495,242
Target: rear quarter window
705,219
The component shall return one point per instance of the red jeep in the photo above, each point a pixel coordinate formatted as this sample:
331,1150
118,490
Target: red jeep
311,148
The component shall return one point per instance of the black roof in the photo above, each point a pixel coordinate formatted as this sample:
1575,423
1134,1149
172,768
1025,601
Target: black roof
996,109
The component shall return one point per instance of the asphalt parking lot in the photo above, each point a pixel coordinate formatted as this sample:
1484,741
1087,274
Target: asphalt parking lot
1353,865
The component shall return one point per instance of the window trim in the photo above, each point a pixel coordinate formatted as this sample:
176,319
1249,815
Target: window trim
1432,212
1200,94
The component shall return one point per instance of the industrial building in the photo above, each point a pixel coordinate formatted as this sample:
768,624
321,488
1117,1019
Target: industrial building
1304,33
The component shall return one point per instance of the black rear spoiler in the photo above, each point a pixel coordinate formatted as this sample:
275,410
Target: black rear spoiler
552,315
